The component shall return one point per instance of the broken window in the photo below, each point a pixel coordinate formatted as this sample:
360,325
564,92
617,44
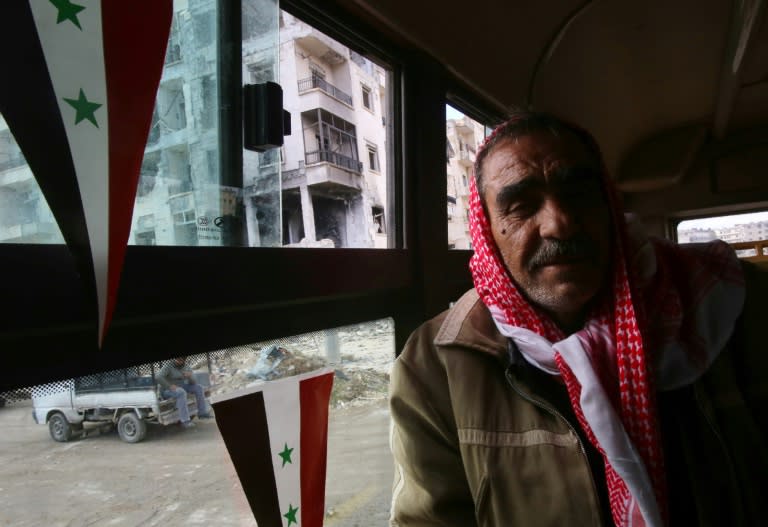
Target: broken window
378,220
171,107
330,139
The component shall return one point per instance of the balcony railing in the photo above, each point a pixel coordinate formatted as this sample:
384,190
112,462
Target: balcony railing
326,156
316,82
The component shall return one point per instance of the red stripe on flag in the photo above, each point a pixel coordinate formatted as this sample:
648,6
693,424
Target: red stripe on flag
135,37
314,395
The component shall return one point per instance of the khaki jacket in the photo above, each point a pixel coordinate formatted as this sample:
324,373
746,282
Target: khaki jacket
477,441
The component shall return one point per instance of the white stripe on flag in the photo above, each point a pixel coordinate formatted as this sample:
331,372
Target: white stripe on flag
283,409
75,60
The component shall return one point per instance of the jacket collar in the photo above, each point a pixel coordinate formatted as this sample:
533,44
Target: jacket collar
469,324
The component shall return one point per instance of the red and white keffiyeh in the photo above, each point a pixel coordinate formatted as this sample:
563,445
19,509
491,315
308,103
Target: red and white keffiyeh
672,311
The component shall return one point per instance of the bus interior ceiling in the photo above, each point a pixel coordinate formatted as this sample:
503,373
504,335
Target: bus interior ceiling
676,94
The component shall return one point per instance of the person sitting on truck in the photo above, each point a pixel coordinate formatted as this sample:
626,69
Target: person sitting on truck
593,376
176,379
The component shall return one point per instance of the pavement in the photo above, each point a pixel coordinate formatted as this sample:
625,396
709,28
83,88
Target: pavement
175,476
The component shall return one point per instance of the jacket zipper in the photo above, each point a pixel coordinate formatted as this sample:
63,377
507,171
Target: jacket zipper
546,407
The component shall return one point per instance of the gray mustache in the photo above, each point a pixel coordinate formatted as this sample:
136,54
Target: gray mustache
551,250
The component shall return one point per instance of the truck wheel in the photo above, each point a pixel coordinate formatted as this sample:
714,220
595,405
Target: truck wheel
59,427
131,428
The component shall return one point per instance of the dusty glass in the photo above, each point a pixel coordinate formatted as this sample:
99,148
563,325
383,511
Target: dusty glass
743,231
108,448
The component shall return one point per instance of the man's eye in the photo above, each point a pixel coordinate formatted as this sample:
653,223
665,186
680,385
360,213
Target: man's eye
521,208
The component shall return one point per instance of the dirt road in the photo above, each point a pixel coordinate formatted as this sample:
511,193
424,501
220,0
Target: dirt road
175,477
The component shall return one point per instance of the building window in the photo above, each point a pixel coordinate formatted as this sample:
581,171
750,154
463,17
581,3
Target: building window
146,238
367,98
173,51
145,230
171,108
316,70
183,217
378,220
330,139
451,207
373,157
208,109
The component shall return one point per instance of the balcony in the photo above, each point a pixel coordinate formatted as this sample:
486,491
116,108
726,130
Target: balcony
330,172
326,156
293,178
315,82
466,158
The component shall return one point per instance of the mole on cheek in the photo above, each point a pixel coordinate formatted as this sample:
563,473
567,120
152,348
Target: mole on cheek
503,231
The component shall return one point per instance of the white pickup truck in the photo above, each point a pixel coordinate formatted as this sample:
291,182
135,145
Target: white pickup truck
121,398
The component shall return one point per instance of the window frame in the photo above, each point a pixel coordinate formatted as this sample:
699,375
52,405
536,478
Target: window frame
366,93
673,221
373,153
198,299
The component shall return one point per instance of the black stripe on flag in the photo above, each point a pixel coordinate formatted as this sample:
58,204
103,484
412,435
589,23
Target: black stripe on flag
243,425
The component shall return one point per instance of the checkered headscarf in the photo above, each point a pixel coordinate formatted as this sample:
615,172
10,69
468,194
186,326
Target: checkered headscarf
608,361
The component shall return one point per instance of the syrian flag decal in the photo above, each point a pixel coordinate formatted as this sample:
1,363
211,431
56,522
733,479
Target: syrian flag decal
277,436
79,105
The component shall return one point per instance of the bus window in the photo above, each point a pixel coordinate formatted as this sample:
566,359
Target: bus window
463,135
744,232
67,439
325,187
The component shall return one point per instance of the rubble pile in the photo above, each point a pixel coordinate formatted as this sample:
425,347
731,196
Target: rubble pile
361,378
358,387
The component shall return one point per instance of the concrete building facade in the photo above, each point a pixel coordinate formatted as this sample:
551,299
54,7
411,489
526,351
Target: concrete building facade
739,232
334,163
463,136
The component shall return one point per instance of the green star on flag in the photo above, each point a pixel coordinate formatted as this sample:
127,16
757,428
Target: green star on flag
286,454
67,11
291,515
84,108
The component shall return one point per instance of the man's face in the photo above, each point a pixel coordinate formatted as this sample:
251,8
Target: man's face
550,220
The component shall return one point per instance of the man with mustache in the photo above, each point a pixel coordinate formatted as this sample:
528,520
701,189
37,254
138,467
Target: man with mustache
592,376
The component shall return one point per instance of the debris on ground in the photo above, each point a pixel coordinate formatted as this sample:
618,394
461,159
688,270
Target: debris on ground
361,377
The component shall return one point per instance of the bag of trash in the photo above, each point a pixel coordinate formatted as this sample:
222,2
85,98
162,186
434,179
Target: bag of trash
269,359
